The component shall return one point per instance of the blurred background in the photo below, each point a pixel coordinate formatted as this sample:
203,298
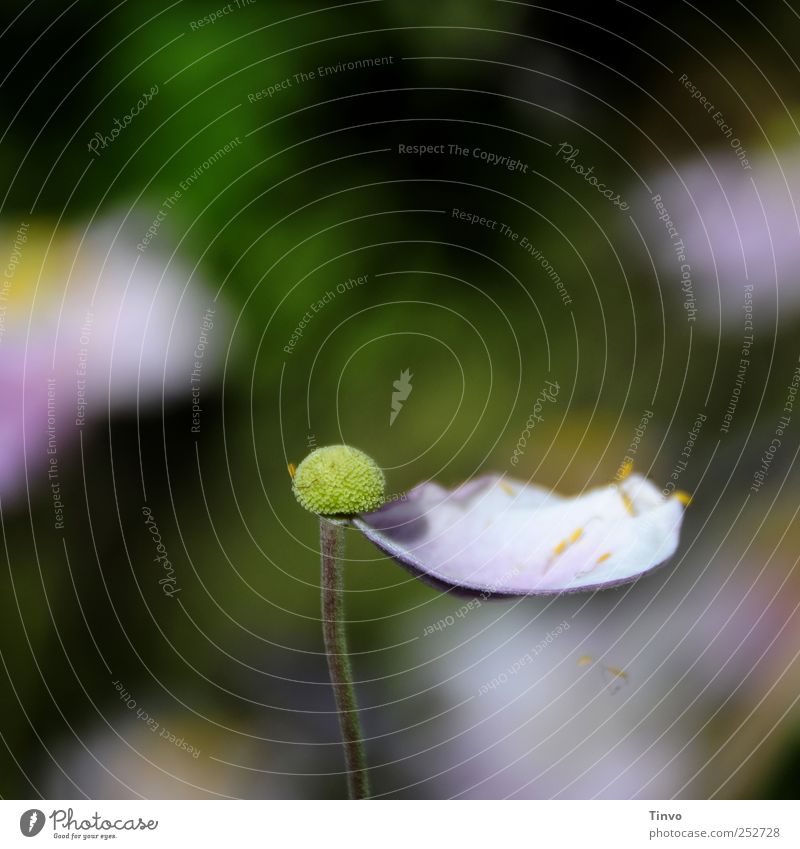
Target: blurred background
227,232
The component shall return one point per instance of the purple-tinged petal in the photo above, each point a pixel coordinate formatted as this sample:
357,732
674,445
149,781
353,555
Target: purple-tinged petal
499,536
94,326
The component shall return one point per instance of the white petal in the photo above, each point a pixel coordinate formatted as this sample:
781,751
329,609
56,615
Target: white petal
502,536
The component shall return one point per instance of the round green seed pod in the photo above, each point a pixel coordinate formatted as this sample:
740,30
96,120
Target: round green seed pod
338,480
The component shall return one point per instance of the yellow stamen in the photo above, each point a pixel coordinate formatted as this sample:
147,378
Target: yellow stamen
624,470
683,497
573,537
603,557
616,671
585,660
626,500
508,490
292,469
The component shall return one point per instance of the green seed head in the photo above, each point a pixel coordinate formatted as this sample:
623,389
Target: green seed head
338,480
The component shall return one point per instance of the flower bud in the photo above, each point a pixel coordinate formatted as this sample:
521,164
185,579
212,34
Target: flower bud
338,480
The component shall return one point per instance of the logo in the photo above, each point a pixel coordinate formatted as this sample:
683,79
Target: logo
403,389
31,822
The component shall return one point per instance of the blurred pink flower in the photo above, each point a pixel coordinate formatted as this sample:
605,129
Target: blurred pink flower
90,326
716,227
678,693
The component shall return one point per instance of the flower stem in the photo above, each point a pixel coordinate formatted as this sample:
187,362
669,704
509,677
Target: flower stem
331,535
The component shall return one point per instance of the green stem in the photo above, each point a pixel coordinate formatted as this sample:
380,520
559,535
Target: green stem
331,535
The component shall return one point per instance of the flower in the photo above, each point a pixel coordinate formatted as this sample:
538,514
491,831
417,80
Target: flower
721,226
90,326
338,480
505,704
499,536
24,421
